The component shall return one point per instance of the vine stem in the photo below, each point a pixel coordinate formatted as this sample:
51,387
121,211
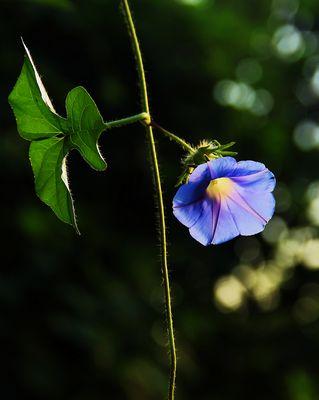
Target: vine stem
159,193
144,119
186,146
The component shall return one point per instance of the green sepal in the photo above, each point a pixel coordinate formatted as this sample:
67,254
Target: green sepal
205,151
85,126
184,177
48,161
227,153
219,149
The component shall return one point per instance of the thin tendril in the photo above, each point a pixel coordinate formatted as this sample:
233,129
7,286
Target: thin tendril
159,193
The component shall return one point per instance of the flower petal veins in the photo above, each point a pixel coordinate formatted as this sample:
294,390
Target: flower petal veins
225,198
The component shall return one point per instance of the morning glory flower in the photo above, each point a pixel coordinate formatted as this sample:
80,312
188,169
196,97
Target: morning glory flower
225,198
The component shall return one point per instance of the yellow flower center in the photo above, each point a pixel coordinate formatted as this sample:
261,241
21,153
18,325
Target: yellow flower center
219,187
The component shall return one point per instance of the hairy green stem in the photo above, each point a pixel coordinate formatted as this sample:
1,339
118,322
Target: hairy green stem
186,146
143,117
159,193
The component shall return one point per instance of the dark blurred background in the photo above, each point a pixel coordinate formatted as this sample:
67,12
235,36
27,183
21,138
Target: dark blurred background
82,317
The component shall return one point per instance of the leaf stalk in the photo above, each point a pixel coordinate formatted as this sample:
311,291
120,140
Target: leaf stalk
142,117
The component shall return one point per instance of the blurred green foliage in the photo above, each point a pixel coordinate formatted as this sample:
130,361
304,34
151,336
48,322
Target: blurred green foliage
82,318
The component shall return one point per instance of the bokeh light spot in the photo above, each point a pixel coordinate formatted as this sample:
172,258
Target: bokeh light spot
315,82
306,135
274,230
192,2
311,254
229,294
288,42
242,96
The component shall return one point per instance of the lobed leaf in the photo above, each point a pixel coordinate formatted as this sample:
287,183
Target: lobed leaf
48,161
86,125
34,112
53,136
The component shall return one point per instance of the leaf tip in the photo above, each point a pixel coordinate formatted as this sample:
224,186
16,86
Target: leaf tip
77,231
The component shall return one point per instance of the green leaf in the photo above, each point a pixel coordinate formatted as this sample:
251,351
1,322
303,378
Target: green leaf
53,136
34,112
48,160
86,125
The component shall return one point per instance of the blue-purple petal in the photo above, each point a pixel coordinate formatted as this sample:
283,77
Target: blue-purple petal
189,193
195,189
215,225
200,173
263,181
263,203
203,229
250,218
226,228
188,214
222,167
248,167
253,176
245,210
